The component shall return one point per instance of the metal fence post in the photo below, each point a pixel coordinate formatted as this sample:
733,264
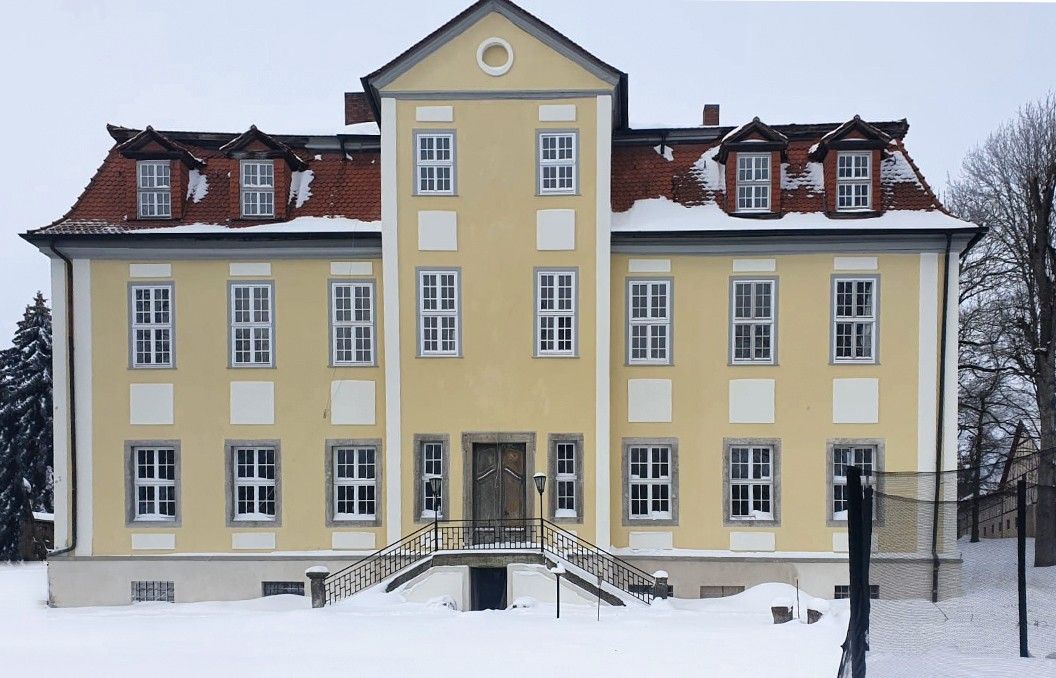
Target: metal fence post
1021,562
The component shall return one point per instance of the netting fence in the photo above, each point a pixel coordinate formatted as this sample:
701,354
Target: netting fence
935,561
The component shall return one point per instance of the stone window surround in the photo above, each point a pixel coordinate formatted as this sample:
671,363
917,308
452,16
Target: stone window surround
670,322
775,483
774,311
334,283
625,481
445,470
551,471
229,483
878,466
852,275
132,286
130,485
379,484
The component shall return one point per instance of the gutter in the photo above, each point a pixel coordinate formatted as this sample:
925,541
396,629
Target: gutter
72,394
939,417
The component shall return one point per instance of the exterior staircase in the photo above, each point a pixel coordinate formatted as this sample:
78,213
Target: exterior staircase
534,540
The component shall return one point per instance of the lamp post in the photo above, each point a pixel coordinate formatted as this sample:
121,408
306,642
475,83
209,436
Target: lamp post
434,489
540,484
558,570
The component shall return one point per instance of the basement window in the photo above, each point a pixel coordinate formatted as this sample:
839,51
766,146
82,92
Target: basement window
153,592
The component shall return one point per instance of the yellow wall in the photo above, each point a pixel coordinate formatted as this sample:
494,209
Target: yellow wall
201,402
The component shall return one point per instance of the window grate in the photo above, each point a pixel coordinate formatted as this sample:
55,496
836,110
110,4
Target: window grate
282,588
153,592
843,592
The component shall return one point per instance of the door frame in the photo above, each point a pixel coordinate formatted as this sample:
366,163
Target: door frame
525,438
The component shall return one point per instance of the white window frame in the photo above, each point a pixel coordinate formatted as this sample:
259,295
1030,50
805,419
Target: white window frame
258,185
756,478
258,481
566,479
434,164
654,480
854,181
358,482
153,192
154,483
155,331
870,469
431,468
754,182
551,311
359,323
439,315
857,320
563,160
655,328
755,323
258,329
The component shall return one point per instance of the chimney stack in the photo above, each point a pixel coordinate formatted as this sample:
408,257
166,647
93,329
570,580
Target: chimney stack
357,108
711,115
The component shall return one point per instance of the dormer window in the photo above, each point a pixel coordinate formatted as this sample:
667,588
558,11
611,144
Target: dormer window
753,182
258,189
853,181
155,189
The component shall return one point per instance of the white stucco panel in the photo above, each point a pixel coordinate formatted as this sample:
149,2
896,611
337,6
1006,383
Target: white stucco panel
252,402
840,543
150,270
238,269
752,541
352,402
153,542
557,112
649,266
855,401
555,230
434,114
353,541
351,268
651,540
648,400
854,263
437,231
754,265
150,404
751,401
253,541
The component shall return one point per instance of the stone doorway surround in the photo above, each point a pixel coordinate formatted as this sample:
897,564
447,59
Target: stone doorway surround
527,439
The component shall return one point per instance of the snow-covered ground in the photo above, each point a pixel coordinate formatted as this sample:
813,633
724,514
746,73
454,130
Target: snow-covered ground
378,635
973,635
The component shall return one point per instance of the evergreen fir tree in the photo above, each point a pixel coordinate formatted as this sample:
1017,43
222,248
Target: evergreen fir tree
12,490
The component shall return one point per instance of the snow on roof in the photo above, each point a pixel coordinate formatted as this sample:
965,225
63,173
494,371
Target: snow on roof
896,169
197,185
362,128
812,177
298,225
707,172
662,214
301,186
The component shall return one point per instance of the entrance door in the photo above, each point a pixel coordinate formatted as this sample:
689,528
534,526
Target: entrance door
499,488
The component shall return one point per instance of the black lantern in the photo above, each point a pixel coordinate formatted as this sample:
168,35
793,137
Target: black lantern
540,484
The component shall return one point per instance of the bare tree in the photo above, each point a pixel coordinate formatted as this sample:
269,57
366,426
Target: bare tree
1009,184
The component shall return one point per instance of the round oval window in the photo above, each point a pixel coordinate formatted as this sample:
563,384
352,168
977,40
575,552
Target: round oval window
495,56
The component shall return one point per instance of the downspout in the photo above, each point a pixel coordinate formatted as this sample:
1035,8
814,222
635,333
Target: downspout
72,402
940,416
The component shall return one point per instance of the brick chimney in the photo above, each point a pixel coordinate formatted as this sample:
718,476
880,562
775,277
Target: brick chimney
357,108
711,114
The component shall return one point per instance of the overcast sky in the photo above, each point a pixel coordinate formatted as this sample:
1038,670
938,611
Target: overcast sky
954,70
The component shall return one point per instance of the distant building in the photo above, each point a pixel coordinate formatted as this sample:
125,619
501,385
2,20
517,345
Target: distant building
997,509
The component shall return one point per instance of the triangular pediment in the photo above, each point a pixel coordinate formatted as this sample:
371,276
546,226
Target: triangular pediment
855,134
254,143
150,144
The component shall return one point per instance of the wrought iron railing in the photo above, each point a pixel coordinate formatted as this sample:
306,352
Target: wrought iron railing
490,535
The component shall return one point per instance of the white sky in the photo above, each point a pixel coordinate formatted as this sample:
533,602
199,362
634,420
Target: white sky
955,70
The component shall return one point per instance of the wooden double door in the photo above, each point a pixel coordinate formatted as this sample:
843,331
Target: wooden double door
500,488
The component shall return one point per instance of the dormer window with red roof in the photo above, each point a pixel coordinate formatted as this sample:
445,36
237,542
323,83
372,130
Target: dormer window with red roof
258,189
154,186
854,179
753,182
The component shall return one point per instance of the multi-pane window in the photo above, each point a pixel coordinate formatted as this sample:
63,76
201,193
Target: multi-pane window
650,482
355,483
252,324
432,467
254,485
152,326
258,188
352,323
154,185
752,331
435,163
751,482
854,320
555,323
649,317
843,456
566,471
557,162
753,182
438,321
154,483
853,181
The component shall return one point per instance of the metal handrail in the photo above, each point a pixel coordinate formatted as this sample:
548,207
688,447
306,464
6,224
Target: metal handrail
489,535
